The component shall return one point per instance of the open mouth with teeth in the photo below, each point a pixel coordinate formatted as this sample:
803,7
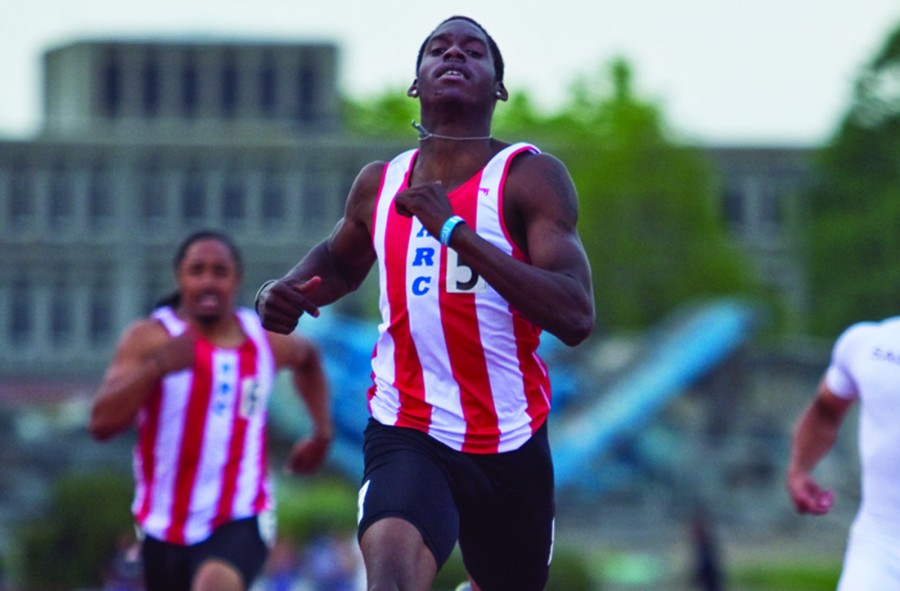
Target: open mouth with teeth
452,74
209,301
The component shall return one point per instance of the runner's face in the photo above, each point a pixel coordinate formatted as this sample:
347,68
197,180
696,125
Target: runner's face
457,63
208,280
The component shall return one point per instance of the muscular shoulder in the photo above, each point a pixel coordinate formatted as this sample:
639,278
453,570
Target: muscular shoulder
369,177
141,337
540,177
535,165
146,328
364,191
538,187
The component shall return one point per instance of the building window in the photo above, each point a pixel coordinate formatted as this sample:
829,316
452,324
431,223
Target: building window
150,92
21,321
273,199
153,206
228,80
111,94
306,93
61,198
234,199
772,204
21,193
190,94
61,315
157,290
733,207
193,197
268,91
314,203
100,200
101,313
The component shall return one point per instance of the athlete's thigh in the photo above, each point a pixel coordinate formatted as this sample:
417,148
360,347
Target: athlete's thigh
238,543
506,534
403,478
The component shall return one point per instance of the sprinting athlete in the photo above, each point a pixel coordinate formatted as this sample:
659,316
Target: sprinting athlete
865,367
195,378
477,252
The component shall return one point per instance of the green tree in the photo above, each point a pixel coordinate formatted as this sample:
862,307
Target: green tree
87,515
315,506
854,243
649,216
387,115
648,213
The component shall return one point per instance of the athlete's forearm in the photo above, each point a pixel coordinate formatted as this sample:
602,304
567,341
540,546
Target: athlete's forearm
559,302
312,386
338,277
814,436
121,397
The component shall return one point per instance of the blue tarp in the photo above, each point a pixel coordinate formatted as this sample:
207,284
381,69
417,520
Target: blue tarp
685,350
682,351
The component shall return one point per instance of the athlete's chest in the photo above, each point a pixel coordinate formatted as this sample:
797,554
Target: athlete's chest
876,369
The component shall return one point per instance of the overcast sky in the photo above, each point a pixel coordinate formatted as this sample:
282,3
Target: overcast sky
724,71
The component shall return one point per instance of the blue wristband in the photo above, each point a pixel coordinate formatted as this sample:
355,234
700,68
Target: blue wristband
448,227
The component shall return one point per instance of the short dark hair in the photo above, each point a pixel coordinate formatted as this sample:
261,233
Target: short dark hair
173,300
209,235
492,45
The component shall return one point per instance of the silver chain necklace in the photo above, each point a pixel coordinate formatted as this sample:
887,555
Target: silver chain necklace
424,134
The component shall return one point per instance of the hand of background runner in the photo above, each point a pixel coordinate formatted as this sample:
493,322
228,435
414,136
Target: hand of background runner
177,354
808,496
307,455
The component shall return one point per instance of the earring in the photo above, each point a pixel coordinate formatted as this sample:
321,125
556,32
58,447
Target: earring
413,92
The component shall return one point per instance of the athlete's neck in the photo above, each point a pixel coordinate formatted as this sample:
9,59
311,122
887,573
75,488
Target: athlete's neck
224,331
424,135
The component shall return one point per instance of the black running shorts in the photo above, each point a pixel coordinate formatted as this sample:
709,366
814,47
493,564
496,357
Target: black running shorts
499,507
171,567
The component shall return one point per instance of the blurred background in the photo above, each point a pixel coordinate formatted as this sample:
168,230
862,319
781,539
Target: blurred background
739,188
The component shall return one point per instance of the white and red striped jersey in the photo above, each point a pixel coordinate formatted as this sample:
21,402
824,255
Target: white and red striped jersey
453,359
200,458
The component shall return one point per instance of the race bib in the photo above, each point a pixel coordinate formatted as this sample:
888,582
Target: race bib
251,398
461,278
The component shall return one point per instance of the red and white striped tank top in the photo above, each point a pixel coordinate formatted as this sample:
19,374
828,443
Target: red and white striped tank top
200,459
452,358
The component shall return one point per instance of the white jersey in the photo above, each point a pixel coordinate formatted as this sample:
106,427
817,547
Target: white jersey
865,365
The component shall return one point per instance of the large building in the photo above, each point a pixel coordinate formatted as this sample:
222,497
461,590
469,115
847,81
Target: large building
761,202
144,141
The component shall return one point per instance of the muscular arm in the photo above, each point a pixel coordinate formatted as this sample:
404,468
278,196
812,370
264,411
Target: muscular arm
814,436
144,355
301,357
334,267
541,210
